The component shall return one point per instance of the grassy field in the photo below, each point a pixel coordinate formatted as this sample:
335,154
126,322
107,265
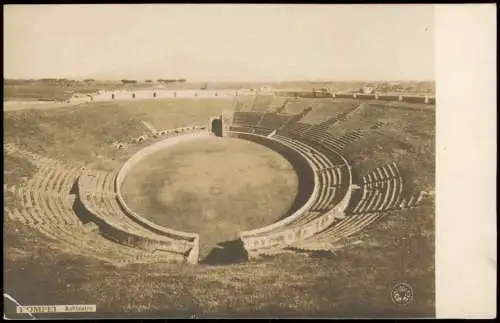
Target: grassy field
408,138
354,281
47,92
214,187
85,134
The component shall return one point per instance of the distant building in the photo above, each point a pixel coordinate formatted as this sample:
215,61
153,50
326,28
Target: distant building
265,89
396,87
369,88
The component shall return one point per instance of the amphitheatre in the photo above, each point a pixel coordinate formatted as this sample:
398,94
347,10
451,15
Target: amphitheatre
323,201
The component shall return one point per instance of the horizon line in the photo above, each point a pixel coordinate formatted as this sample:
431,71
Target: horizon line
223,80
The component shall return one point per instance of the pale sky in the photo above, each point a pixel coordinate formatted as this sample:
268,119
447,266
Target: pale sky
220,42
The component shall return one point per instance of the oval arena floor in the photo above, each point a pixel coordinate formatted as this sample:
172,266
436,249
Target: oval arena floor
216,187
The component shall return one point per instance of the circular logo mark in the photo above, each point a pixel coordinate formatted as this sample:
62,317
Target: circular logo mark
402,294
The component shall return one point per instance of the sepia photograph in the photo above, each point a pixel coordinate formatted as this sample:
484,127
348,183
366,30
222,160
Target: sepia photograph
219,161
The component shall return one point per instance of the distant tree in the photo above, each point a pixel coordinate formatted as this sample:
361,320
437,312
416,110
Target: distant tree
89,80
148,81
384,86
181,80
129,81
166,81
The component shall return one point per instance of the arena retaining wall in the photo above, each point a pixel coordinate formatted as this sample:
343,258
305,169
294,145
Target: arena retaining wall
388,97
231,94
304,94
363,96
278,235
288,236
344,95
124,237
291,235
135,159
366,96
306,176
415,99
170,94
